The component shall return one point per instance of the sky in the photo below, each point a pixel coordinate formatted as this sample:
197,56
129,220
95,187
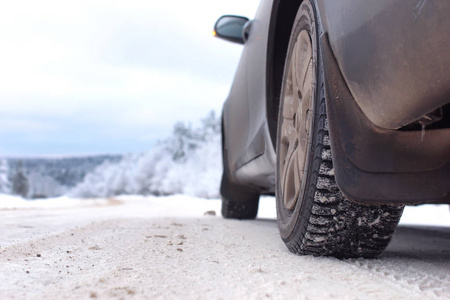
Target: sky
104,76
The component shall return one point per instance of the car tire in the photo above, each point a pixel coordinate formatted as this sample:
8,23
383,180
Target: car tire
238,201
314,217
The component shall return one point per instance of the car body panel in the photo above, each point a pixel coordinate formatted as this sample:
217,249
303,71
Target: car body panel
248,127
392,54
378,166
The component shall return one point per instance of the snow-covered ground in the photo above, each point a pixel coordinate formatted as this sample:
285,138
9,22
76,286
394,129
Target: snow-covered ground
174,247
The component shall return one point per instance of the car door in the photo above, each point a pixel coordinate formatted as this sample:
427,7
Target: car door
244,109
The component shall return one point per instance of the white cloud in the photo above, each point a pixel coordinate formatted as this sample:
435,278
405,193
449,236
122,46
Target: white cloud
120,67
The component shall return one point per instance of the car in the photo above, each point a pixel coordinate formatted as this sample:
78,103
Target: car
341,109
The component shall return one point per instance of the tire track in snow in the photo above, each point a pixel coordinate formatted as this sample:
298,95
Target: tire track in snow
418,260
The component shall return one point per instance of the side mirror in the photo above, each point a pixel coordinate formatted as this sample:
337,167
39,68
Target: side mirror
231,28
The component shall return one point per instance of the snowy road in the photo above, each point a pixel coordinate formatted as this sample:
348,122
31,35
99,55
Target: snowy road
166,248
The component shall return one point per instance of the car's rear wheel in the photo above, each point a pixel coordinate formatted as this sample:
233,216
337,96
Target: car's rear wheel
238,201
313,215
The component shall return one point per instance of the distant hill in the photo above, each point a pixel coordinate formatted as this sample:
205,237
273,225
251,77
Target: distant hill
66,171
50,177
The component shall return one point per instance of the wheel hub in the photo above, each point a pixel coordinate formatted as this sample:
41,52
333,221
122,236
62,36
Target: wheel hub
296,120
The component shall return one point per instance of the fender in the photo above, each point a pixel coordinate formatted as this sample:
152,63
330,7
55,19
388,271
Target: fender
375,165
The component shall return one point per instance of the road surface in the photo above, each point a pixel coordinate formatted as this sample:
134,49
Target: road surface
168,248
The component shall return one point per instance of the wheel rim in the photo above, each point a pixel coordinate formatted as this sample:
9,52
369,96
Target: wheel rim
296,120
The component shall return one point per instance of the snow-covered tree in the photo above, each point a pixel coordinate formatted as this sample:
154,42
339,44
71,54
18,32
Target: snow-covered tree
20,184
43,186
5,184
187,162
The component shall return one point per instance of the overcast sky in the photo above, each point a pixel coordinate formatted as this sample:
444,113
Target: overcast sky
102,76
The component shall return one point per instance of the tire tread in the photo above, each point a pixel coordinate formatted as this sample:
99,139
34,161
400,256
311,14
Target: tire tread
336,226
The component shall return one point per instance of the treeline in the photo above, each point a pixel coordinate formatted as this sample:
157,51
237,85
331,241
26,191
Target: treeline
43,177
187,162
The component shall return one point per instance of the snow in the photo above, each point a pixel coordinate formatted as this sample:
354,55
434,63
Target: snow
424,215
135,247
15,202
427,215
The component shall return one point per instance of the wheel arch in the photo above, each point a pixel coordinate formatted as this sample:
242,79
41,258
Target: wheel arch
281,20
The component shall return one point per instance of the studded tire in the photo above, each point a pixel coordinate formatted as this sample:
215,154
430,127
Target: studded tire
314,217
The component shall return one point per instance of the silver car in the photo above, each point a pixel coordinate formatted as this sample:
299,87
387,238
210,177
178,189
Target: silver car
342,110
